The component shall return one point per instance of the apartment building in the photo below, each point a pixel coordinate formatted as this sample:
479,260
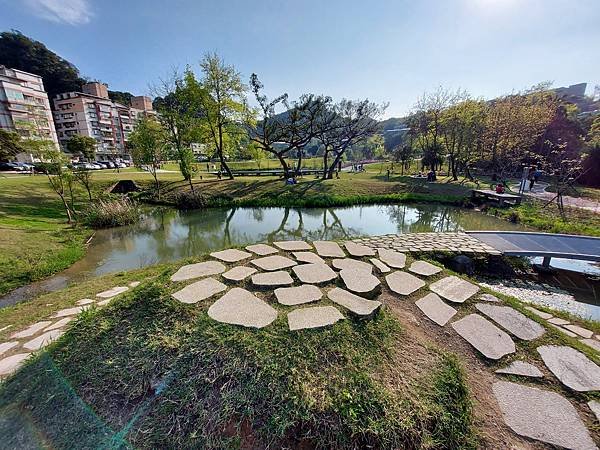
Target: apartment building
92,113
24,106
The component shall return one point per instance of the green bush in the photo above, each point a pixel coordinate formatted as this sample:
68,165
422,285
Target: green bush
111,213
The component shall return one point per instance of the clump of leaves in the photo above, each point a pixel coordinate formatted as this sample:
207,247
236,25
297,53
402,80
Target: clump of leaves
111,213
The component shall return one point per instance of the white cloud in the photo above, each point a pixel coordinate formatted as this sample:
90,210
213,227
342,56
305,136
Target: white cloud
72,12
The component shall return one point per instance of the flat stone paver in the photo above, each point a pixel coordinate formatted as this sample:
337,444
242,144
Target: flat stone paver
558,321
31,329
562,330
594,405
454,289
424,268
231,255
274,262
11,363
489,298
542,415
261,249
512,320
354,303
537,312
6,346
59,324
313,317
308,257
104,302
358,250
314,273
328,249
593,343
383,268
239,273
486,337
112,292
73,311
292,246
571,367
434,308
521,368
200,290
352,264
43,340
361,282
272,279
240,307
134,284
583,332
197,270
298,295
85,301
392,258
403,283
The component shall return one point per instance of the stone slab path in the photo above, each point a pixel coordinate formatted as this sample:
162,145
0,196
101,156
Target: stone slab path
381,267
358,250
424,268
313,317
354,303
200,290
434,308
454,289
198,270
308,257
239,273
292,246
361,282
403,283
512,321
351,264
392,258
241,307
314,273
571,367
328,249
298,295
231,255
486,337
521,368
261,249
274,262
272,279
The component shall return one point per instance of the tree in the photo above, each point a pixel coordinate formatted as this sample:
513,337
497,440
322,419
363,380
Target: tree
122,97
17,51
148,141
10,144
404,154
254,152
82,145
224,104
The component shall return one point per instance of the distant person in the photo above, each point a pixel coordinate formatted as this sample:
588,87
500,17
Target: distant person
500,188
388,174
534,176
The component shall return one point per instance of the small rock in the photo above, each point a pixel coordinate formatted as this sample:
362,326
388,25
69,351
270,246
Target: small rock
521,368
314,317
298,295
134,284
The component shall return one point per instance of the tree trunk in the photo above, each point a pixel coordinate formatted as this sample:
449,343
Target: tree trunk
220,152
67,209
89,191
454,172
325,157
334,165
191,185
156,183
284,166
299,166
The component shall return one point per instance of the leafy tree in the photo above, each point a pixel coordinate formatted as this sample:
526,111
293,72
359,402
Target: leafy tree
10,144
148,144
122,97
254,152
82,145
18,51
403,154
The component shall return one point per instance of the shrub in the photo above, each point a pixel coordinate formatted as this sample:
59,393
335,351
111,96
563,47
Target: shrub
190,200
111,213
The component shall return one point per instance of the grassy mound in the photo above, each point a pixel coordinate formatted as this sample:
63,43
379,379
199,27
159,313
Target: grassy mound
149,372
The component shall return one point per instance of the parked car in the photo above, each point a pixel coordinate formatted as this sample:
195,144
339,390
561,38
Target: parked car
103,164
12,167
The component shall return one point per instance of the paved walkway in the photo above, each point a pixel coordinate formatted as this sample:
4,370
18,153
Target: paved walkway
539,192
342,282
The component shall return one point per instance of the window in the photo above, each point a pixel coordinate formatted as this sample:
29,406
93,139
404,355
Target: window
14,95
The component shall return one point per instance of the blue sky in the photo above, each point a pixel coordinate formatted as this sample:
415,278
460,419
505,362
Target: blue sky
389,51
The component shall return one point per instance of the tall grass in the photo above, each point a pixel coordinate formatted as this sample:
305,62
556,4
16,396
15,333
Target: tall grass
111,213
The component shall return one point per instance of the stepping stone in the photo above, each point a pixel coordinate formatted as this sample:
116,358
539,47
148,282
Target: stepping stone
43,340
571,367
583,332
354,303
231,255
454,289
73,311
202,269
380,266
595,407
358,249
403,283
434,308
486,337
261,249
112,292
512,320
270,279
200,290
558,321
134,284
314,273
298,295
489,298
329,249
542,415
61,323
12,363
537,312
292,246
424,268
594,343
521,368
562,330
314,317
275,262
308,257
361,282
85,301
392,258
104,302
239,273
240,307
31,330
6,346
352,264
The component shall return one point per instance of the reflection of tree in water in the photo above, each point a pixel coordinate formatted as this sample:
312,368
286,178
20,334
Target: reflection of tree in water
426,218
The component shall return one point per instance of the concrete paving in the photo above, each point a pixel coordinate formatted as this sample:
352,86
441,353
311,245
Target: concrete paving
240,307
314,273
231,255
274,262
298,295
486,337
354,303
571,367
512,320
328,249
200,290
313,317
454,289
272,279
403,283
434,308
197,270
